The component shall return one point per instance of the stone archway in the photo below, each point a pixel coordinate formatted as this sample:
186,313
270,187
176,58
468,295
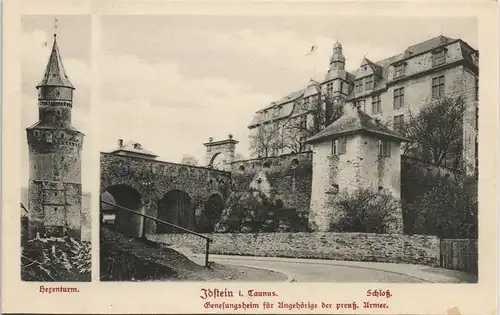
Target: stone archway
125,222
175,207
213,210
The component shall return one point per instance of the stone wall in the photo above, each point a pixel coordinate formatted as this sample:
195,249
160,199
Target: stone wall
390,248
287,178
152,180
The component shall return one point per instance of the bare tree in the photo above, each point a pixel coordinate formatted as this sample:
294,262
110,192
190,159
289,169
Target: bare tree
436,132
189,160
239,157
265,139
311,116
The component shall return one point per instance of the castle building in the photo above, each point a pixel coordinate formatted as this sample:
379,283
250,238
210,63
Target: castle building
55,190
388,90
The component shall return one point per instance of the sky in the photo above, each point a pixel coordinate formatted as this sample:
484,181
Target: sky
74,42
171,82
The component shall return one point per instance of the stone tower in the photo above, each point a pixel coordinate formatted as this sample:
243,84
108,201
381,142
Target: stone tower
337,79
354,152
55,190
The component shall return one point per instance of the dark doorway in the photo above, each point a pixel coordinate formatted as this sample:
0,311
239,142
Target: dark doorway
175,207
121,220
213,211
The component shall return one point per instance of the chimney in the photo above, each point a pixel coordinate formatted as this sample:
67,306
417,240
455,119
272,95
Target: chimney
120,143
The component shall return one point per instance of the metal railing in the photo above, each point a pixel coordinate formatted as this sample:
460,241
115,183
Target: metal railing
208,239
24,208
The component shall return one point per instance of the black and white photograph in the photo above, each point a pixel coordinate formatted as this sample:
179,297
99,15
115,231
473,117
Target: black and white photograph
286,148
55,195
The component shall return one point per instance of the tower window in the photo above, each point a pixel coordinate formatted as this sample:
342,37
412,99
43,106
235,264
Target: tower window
476,92
438,87
384,148
339,146
329,88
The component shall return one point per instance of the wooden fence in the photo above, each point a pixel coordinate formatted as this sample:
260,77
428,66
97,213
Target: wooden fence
459,254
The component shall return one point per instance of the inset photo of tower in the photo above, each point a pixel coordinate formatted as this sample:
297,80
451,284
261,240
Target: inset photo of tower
55,214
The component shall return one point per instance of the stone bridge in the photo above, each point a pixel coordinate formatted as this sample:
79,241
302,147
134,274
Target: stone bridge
188,196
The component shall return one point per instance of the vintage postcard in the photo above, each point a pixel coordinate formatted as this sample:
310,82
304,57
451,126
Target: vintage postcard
250,157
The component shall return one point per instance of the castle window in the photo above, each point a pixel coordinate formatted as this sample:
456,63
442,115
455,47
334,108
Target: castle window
384,148
369,83
398,122
267,165
400,70
376,104
339,146
399,98
358,86
342,85
438,87
438,57
329,88
242,168
49,137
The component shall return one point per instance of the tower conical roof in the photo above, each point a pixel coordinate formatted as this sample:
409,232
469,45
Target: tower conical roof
54,73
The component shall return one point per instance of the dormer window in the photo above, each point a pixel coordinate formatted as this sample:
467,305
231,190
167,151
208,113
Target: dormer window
358,86
400,70
438,57
369,83
137,146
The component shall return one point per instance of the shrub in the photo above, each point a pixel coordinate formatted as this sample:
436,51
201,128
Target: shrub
56,260
447,209
364,211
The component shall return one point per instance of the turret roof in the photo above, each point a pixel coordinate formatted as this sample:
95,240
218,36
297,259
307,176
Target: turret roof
354,120
54,72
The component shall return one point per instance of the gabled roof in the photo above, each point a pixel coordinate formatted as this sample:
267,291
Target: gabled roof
54,72
354,120
134,147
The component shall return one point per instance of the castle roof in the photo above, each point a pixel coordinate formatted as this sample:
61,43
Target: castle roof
54,72
134,147
51,125
352,121
381,68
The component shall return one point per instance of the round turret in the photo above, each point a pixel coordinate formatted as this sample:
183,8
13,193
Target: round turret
337,60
